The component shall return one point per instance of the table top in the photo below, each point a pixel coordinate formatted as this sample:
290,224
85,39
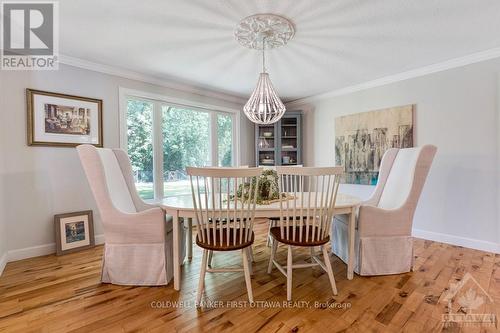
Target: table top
185,203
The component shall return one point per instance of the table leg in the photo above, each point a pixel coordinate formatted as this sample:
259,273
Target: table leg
190,237
352,231
177,263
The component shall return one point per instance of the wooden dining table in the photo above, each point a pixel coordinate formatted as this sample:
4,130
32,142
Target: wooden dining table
181,206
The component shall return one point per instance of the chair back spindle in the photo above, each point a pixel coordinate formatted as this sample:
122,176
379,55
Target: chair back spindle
308,216
224,202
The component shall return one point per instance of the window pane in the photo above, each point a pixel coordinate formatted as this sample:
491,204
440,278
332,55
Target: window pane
225,140
186,142
140,145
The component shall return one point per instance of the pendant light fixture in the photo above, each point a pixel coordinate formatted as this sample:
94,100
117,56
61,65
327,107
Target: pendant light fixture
263,31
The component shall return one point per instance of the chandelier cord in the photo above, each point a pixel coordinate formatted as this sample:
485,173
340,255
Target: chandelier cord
263,54
264,105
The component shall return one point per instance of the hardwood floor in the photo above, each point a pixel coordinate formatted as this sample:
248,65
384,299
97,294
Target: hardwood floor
63,294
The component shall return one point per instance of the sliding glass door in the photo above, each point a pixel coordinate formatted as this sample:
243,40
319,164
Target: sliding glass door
163,139
225,140
140,145
186,142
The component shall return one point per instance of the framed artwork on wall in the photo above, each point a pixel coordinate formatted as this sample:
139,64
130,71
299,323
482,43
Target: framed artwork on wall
59,120
361,140
74,232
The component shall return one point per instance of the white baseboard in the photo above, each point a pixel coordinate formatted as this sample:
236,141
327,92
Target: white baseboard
32,251
40,250
99,239
457,240
3,262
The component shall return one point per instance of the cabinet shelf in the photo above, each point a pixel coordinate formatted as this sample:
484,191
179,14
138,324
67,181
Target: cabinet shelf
286,132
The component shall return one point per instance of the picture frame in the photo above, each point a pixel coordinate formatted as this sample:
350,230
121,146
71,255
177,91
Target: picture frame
61,120
74,232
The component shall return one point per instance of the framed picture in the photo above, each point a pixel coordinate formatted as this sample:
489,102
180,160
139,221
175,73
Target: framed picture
74,232
59,120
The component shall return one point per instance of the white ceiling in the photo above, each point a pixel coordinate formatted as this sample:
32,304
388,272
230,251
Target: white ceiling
338,43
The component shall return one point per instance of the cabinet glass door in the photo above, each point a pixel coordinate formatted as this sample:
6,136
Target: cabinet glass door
289,140
266,143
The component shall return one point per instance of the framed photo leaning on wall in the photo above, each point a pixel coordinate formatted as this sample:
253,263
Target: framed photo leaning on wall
74,232
60,120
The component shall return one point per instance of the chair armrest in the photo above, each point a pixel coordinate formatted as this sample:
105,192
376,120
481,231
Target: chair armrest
147,226
374,221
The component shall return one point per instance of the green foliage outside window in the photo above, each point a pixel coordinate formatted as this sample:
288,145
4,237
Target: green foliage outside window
225,139
186,142
140,140
186,139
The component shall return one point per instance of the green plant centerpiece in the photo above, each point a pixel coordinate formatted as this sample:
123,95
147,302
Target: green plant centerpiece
267,192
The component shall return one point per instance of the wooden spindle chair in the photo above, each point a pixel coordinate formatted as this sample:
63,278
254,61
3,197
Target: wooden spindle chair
291,185
306,220
225,220
211,253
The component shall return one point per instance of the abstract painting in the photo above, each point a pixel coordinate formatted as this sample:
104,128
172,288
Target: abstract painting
361,140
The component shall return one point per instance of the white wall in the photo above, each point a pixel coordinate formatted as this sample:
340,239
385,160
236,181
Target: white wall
42,181
498,158
456,111
3,227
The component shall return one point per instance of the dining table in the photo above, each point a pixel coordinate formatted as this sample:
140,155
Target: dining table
181,206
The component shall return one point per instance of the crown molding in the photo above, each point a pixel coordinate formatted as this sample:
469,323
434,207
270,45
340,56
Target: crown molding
422,71
132,75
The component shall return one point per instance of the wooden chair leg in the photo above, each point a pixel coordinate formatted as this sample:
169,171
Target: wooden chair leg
210,256
269,223
289,263
189,234
274,244
246,269
329,270
201,283
250,258
250,253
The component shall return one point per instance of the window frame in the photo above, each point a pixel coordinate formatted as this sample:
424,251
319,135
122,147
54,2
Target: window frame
158,101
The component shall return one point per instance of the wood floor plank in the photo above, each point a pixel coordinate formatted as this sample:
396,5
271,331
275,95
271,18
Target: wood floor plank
64,294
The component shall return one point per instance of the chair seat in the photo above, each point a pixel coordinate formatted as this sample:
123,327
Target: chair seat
276,233
221,243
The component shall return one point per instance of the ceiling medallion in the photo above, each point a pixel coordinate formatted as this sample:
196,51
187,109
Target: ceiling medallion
259,32
276,29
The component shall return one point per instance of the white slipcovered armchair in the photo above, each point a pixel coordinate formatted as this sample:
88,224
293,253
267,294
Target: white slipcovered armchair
138,236
383,242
